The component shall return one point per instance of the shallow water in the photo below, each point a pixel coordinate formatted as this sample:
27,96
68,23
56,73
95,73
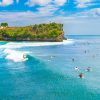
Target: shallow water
49,72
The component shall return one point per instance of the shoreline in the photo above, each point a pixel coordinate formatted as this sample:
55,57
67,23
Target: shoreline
33,40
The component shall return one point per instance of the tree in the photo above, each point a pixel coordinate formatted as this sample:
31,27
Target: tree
4,24
50,31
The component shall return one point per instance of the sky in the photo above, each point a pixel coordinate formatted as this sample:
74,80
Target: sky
78,16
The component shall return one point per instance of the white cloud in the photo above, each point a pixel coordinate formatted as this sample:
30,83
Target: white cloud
38,2
26,18
60,2
6,2
83,3
47,10
46,2
89,13
48,7
72,24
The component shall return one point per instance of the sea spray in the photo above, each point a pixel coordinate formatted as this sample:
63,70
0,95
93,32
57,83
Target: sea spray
16,56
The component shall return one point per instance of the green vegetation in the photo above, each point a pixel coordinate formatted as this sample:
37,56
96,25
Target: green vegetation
40,32
4,24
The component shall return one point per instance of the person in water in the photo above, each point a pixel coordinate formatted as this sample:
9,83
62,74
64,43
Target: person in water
24,56
85,51
73,59
89,69
76,68
81,75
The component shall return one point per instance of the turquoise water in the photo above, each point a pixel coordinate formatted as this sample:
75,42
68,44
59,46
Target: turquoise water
48,73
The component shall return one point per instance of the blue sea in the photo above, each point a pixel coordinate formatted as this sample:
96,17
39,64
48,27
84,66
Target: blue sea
48,71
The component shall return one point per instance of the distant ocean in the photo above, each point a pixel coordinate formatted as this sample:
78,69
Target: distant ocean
48,71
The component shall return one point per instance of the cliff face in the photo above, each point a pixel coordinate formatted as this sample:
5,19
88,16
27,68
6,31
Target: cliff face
41,32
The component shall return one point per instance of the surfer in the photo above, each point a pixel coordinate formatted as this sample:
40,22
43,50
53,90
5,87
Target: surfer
81,75
24,56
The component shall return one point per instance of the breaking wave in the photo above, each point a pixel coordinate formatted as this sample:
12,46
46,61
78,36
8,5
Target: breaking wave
16,56
31,44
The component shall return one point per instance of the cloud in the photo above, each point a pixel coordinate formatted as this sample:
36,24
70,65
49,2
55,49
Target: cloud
38,2
41,16
92,13
25,18
47,7
60,2
6,2
72,24
45,2
83,3
47,10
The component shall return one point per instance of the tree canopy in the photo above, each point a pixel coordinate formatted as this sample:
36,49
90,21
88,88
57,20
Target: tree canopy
4,24
37,32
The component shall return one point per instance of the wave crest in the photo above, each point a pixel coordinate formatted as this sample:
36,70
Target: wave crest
16,56
32,44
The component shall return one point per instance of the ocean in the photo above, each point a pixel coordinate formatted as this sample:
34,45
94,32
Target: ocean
48,70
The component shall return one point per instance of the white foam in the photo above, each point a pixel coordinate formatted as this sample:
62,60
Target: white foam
16,56
31,44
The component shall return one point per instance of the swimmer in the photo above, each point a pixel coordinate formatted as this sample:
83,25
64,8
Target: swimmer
85,51
89,69
81,75
73,59
76,68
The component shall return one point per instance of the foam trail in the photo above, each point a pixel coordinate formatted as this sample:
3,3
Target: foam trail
16,56
31,44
